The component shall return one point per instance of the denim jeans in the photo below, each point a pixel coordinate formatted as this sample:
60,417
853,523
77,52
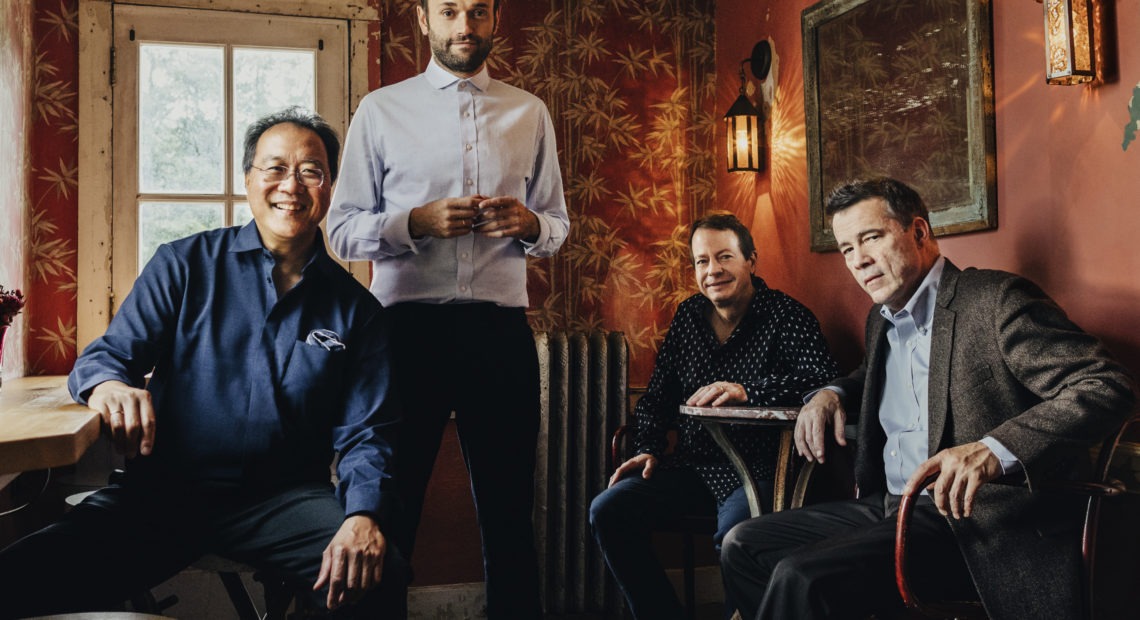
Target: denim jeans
624,516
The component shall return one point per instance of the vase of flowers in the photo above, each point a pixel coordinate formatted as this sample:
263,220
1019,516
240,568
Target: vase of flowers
11,302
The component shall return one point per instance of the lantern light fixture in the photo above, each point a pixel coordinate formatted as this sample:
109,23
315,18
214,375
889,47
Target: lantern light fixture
744,122
1070,56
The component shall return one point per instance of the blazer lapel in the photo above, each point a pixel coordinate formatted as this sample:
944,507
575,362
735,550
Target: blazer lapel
941,345
869,448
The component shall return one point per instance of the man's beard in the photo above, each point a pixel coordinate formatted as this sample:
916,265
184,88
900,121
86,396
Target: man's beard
441,49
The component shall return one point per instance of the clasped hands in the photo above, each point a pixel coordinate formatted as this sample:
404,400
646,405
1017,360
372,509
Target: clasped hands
960,470
501,216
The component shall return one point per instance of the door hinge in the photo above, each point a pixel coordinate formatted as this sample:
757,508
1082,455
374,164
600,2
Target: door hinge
112,71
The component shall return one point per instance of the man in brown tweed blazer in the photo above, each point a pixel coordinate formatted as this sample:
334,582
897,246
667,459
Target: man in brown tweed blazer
971,376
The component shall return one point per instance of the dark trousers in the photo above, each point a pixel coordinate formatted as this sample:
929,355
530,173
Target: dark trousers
478,360
836,560
624,516
122,540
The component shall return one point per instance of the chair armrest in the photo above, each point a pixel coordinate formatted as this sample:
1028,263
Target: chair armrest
615,446
839,482
1108,488
902,531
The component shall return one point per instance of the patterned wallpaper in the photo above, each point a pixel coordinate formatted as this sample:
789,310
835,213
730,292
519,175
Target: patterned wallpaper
631,87
53,186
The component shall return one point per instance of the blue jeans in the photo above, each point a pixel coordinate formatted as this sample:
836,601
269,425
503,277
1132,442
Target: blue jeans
624,516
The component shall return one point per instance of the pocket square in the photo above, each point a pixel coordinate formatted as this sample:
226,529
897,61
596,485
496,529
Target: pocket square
326,339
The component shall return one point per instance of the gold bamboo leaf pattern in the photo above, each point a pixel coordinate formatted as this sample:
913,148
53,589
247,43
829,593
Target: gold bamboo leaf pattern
62,180
587,189
51,259
41,226
60,342
395,47
55,100
588,48
502,50
62,23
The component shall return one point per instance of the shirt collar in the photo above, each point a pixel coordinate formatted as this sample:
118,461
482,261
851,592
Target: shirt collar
441,78
920,303
248,240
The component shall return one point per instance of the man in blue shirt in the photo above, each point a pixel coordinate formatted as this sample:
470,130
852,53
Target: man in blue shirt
267,357
450,181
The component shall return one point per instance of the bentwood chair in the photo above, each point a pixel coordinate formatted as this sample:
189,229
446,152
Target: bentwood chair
1099,487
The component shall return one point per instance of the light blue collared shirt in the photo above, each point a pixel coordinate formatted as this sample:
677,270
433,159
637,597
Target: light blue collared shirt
904,411
437,136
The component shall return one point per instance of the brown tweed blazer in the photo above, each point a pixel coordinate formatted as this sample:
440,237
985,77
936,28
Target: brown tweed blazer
1006,361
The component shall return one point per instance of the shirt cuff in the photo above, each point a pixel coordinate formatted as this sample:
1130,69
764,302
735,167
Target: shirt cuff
395,232
1009,462
543,234
834,388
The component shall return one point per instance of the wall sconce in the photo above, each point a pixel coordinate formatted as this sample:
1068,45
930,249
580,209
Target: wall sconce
744,123
1069,40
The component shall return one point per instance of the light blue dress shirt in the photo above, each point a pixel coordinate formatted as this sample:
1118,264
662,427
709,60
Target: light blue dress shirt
904,410
437,136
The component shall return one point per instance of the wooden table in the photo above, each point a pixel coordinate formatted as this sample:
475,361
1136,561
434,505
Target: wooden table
41,426
783,418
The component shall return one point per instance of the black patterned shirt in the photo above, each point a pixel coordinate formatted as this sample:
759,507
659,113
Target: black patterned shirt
777,352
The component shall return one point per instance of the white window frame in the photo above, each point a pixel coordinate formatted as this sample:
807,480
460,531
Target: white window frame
96,301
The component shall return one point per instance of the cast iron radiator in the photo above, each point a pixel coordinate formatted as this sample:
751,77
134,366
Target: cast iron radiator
584,379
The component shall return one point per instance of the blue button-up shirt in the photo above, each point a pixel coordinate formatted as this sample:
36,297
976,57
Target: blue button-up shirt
438,136
904,411
244,398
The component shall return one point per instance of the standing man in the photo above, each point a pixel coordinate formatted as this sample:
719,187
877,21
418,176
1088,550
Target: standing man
737,342
266,356
969,375
451,180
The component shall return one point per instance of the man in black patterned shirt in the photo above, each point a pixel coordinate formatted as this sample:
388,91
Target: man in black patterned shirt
738,342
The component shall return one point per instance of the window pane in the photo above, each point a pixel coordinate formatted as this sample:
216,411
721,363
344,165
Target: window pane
181,119
160,222
242,214
267,81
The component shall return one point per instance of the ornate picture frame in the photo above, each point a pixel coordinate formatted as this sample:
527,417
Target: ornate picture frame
903,89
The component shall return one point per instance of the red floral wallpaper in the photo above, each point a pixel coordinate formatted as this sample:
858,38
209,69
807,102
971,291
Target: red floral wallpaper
53,186
631,85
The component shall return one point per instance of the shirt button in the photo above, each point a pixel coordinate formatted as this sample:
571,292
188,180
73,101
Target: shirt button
462,84
466,115
469,147
893,453
470,182
463,289
463,255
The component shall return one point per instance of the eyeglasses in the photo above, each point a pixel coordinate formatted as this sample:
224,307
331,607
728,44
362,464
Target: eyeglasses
309,177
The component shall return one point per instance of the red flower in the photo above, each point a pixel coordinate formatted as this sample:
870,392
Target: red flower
11,302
